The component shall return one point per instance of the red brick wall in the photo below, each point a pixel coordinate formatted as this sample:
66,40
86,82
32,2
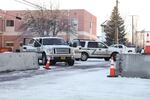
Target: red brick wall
84,20
79,14
1,25
0,41
15,39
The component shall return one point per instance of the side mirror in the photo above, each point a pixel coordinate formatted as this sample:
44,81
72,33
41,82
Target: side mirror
105,47
70,44
74,44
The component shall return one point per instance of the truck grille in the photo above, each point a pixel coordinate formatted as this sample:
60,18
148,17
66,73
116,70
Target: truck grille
62,50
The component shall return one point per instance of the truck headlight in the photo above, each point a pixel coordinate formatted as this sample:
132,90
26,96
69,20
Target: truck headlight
72,51
49,51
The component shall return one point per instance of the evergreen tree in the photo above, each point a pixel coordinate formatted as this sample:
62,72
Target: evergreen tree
115,26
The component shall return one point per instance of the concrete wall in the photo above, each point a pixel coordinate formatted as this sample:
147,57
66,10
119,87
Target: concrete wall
18,61
133,65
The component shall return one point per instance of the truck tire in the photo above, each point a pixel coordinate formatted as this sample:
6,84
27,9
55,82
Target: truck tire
107,59
52,62
44,59
84,57
77,59
71,62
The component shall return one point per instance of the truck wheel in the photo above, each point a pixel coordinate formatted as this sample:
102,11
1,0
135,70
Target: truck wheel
44,59
84,57
107,59
77,59
52,62
71,62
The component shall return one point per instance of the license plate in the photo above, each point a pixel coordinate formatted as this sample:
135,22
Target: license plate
62,58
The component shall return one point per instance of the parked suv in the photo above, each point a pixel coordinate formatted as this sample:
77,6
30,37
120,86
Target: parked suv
92,49
54,47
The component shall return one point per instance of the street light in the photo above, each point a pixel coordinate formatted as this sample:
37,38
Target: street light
2,30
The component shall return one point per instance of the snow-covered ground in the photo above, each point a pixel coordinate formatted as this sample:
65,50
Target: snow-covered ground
76,84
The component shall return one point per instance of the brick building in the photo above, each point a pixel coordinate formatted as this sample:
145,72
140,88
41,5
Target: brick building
10,30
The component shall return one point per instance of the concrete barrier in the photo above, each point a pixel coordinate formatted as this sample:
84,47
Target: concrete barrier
133,65
18,61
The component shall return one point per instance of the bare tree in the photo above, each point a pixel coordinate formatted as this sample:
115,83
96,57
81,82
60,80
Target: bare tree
46,22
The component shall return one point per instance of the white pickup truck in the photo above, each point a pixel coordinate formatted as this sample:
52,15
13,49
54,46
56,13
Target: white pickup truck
120,48
53,47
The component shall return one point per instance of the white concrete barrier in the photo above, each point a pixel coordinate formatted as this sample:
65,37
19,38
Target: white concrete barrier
18,61
133,65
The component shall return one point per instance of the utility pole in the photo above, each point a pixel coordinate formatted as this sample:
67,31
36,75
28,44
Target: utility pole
133,30
116,23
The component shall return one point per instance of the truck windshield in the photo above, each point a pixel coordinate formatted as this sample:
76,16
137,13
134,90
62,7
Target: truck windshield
53,41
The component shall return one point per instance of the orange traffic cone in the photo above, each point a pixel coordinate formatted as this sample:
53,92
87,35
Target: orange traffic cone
47,66
147,44
112,69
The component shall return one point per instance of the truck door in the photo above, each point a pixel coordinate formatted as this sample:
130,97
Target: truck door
102,50
28,45
93,49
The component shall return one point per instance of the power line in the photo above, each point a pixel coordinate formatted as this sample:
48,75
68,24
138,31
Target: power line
30,4
34,4
24,3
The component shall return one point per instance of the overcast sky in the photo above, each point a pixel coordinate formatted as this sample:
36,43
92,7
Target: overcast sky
100,8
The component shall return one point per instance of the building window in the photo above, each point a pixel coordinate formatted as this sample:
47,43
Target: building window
10,23
9,44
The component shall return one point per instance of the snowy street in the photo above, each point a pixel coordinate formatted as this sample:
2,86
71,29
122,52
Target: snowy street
73,83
